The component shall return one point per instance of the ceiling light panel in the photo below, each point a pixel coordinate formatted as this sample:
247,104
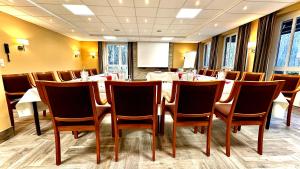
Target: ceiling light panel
188,13
79,9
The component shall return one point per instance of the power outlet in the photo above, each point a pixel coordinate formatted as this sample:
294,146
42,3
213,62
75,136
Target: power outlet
2,63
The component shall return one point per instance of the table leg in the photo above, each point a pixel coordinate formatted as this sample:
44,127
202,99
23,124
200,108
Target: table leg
269,117
158,126
36,118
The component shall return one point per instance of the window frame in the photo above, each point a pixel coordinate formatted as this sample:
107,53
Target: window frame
205,53
276,41
225,47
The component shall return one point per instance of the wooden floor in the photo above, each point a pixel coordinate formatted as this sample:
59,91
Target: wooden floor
27,150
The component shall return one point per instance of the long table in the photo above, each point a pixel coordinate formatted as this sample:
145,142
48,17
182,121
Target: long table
30,104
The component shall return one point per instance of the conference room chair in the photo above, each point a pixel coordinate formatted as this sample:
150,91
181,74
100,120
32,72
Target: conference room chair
15,86
232,75
173,69
92,72
215,73
134,106
192,104
76,73
252,76
201,72
251,102
290,89
65,75
74,106
209,72
48,76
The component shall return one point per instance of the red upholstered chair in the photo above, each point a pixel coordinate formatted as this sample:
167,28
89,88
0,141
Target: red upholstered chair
232,75
201,72
252,76
250,105
289,90
73,108
173,69
215,73
134,105
76,73
92,72
65,75
48,76
192,104
209,72
15,86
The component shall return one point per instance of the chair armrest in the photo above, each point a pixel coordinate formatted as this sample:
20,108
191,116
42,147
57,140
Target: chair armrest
168,99
231,95
15,94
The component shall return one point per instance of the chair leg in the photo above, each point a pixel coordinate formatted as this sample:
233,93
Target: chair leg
75,133
112,127
235,129
260,139
57,147
289,114
153,142
202,130
195,130
174,140
208,140
116,143
44,113
228,132
97,132
162,130
11,117
239,128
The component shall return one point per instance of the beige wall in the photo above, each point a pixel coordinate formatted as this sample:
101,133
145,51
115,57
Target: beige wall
179,50
47,51
88,61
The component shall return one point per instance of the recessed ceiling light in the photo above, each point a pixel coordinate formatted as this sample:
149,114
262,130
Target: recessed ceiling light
102,29
188,13
158,30
11,1
167,38
173,31
127,20
245,8
79,9
199,33
146,20
146,2
109,37
120,1
117,30
51,20
72,30
216,24
197,3
90,19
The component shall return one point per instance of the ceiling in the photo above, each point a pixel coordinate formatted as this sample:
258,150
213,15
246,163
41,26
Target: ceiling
138,21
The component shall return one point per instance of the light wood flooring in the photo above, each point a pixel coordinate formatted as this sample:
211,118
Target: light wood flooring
27,150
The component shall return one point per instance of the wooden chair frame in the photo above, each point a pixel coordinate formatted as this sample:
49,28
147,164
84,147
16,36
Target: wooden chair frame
212,74
262,75
204,71
35,75
74,74
117,127
60,76
237,74
174,100
293,93
99,111
263,115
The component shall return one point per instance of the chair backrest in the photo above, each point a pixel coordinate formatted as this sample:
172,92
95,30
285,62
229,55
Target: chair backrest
70,102
65,75
48,76
253,76
76,73
254,98
197,98
15,83
173,69
93,72
215,73
232,75
201,72
292,82
134,99
209,72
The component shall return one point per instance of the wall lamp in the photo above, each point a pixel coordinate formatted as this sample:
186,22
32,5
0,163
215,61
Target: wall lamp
252,46
76,53
93,54
22,43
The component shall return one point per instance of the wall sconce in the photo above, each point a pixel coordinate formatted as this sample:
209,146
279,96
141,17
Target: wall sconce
22,43
252,46
76,53
93,54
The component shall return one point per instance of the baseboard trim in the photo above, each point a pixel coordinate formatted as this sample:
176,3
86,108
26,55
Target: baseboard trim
6,134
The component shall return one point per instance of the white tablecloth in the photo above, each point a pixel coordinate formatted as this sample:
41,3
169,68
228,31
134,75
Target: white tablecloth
163,76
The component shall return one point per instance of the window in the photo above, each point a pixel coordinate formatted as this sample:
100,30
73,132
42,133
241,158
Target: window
288,49
206,54
229,51
117,58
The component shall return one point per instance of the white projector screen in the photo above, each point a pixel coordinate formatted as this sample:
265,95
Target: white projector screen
152,54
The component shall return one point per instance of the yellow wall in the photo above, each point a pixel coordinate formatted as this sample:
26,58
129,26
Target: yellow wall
47,51
85,49
179,50
251,51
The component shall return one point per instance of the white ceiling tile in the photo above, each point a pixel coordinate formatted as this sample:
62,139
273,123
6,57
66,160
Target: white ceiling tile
258,7
130,26
167,12
56,9
33,11
160,27
127,20
12,11
150,12
196,3
96,2
164,20
125,3
221,4
145,20
178,27
208,14
231,17
145,26
17,3
124,11
171,4
108,19
100,10
275,0
142,3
